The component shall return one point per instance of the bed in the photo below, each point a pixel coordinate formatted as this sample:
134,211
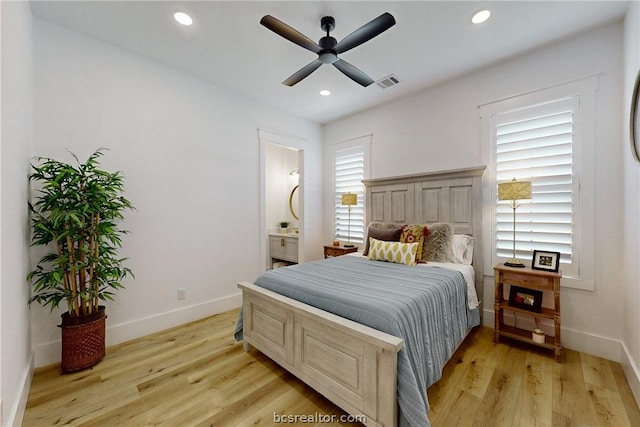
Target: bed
363,360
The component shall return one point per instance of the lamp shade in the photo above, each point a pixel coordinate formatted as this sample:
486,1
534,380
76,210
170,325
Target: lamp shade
349,199
514,190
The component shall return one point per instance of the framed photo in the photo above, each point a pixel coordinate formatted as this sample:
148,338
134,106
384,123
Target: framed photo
526,299
545,260
634,120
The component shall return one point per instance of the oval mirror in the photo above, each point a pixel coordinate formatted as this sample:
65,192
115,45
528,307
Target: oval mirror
634,120
293,201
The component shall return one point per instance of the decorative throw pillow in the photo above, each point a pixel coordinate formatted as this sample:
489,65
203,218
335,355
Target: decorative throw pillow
462,249
399,253
414,233
437,246
387,234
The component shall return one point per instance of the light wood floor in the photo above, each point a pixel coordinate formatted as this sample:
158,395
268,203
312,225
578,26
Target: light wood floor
197,375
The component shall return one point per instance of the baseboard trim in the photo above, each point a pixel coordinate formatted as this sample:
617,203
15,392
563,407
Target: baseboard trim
48,353
631,372
159,322
16,413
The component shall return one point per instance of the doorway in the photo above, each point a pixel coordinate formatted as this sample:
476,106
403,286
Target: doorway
281,192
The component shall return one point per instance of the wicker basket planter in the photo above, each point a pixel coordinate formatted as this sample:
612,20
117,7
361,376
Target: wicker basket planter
83,343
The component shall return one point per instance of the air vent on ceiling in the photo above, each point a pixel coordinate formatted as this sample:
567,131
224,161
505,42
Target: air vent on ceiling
388,81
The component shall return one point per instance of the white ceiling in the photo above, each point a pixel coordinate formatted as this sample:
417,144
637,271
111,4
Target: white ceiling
431,42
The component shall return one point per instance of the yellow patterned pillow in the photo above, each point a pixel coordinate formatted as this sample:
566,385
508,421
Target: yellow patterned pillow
400,253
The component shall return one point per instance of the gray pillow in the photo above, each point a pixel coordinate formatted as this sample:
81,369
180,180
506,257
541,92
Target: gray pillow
384,225
437,246
387,232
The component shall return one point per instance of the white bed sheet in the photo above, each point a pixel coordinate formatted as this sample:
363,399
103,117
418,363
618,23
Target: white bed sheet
467,271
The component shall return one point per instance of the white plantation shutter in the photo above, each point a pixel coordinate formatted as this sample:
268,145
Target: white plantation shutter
538,144
349,173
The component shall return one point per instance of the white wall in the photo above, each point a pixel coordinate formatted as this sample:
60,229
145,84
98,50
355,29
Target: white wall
439,129
189,152
15,153
631,221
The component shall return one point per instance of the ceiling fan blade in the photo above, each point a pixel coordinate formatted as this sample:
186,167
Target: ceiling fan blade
368,31
353,73
289,33
303,72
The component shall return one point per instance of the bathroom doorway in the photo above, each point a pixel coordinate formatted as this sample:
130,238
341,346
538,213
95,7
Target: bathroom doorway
281,198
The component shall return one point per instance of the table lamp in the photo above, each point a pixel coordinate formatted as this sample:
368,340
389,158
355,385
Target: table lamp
514,190
349,199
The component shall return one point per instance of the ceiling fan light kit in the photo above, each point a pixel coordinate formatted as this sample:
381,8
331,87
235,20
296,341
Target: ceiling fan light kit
328,47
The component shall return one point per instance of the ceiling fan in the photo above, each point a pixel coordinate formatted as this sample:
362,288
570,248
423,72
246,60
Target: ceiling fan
328,48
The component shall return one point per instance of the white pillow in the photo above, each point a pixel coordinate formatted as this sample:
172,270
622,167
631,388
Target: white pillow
462,249
401,253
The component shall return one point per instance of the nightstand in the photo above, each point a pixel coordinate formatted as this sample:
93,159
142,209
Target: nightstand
529,279
331,251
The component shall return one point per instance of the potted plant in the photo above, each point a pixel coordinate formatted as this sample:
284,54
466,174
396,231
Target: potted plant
77,211
284,225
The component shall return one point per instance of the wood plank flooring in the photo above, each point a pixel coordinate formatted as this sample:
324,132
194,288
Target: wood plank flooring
197,375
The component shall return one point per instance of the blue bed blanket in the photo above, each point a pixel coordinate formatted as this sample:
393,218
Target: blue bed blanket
425,306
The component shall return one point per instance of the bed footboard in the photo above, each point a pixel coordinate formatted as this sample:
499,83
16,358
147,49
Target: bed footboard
352,365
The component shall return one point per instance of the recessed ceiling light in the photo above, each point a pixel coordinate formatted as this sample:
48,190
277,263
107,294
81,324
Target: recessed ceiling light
481,16
183,18
325,92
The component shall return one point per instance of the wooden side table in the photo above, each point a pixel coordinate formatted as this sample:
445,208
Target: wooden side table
331,251
529,279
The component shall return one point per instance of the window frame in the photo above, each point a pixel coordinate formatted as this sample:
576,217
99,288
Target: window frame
515,118
582,275
362,144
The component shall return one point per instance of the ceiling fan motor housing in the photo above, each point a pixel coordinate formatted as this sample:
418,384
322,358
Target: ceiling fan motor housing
328,55
327,43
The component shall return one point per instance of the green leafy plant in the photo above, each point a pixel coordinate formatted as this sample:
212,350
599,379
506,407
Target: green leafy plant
78,209
284,224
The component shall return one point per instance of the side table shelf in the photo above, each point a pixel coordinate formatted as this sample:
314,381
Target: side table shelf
529,279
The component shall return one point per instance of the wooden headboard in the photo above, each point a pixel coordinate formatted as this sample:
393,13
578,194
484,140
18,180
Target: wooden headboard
453,196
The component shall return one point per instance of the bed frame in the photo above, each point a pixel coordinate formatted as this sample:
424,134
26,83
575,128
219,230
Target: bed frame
353,365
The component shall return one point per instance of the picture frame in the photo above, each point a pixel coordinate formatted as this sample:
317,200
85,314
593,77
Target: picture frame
546,260
634,120
525,299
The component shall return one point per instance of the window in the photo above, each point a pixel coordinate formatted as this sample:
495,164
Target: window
536,144
349,173
546,137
